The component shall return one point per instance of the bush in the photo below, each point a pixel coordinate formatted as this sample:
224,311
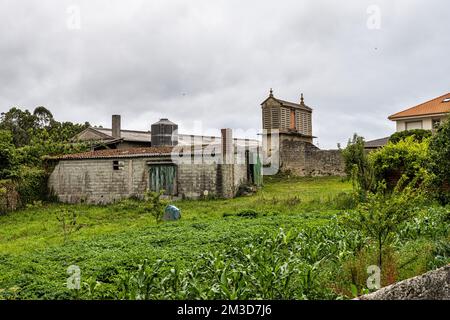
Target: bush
439,164
32,185
357,165
407,157
155,205
381,217
417,135
8,158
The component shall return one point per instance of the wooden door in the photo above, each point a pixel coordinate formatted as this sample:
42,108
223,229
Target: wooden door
163,178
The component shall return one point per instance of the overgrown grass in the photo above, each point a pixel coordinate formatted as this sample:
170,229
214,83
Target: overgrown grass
111,241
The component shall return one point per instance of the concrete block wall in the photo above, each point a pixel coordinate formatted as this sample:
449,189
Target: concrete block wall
194,179
95,180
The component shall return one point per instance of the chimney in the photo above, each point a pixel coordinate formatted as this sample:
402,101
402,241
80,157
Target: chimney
116,126
227,146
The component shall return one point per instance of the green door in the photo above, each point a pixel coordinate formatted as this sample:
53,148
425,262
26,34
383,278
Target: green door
163,177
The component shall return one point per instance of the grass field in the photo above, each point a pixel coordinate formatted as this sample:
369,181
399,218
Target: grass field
34,256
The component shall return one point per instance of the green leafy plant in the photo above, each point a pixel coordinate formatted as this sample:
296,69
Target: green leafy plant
439,163
382,215
406,157
357,166
417,135
67,219
155,205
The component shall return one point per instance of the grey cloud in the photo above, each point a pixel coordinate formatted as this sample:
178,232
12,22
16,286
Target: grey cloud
214,61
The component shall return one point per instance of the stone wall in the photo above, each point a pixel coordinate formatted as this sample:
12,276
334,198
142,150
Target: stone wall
9,197
434,285
304,159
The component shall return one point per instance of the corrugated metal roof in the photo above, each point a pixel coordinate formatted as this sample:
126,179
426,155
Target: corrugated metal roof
128,135
435,106
183,139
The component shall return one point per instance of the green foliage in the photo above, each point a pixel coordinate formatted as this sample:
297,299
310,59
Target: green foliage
357,165
27,127
417,135
407,157
68,222
440,158
382,215
155,205
32,184
8,158
280,265
314,257
25,139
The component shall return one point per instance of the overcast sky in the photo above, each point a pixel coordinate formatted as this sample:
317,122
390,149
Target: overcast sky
208,64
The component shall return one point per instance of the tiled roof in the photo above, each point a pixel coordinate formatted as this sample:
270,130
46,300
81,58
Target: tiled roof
117,153
294,105
435,106
373,144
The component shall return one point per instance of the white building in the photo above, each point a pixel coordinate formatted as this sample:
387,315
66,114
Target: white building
427,115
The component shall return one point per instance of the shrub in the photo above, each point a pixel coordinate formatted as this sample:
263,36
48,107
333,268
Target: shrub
407,157
8,157
381,217
357,165
439,154
417,135
68,222
155,205
32,185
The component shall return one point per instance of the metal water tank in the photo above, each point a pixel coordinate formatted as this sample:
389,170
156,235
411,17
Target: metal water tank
164,133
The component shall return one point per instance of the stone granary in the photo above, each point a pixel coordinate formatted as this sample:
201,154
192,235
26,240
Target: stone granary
191,171
288,140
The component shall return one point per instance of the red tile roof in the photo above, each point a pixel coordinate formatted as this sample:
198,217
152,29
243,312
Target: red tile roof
435,106
117,153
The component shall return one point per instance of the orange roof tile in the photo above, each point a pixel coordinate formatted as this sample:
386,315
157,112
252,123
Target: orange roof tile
435,106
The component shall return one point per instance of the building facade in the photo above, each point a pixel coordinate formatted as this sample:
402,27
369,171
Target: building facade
428,115
109,175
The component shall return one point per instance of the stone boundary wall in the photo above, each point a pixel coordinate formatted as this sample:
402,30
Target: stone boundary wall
305,159
9,197
433,285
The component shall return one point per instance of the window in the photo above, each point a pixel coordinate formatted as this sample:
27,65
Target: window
436,123
414,125
446,100
117,165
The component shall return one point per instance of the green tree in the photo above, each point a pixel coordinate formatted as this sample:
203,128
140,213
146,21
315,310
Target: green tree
382,215
417,135
357,165
20,123
439,153
8,159
43,117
